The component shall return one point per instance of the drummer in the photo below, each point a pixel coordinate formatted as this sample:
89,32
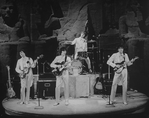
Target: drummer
81,47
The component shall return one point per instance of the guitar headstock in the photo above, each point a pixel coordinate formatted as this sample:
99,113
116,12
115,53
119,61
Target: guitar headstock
8,67
136,58
40,56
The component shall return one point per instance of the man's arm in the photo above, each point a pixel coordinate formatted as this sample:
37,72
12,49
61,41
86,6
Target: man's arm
128,62
71,42
74,41
53,65
110,61
17,69
33,63
68,42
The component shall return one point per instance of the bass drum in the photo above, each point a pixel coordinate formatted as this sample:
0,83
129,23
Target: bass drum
76,67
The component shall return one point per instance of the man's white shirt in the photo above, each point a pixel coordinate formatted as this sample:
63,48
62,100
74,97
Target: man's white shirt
80,44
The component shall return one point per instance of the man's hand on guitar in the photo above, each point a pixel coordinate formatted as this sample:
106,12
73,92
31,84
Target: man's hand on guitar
130,62
117,66
58,66
21,74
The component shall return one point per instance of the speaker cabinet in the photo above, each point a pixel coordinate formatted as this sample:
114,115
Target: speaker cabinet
82,86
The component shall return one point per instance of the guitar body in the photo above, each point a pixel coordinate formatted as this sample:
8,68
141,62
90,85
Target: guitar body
98,86
10,92
58,71
119,70
122,65
25,72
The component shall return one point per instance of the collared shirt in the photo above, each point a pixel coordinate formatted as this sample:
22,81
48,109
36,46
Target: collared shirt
80,44
117,58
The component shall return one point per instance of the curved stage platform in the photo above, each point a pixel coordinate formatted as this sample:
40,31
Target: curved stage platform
95,105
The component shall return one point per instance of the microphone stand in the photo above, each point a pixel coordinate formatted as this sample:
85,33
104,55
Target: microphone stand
38,107
43,65
109,104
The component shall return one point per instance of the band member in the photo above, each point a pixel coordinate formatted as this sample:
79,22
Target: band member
120,78
81,46
24,68
62,80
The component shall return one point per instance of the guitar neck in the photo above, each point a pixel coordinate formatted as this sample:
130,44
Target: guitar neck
36,60
9,81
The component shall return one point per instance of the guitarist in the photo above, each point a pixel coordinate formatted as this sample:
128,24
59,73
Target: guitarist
119,78
24,68
62,80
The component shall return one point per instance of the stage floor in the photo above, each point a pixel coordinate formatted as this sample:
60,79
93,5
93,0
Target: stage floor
97,104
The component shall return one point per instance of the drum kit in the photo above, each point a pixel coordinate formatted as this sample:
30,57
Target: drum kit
78,65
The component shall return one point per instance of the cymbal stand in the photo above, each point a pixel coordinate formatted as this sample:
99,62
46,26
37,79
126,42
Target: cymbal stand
38,107
93,60
43,67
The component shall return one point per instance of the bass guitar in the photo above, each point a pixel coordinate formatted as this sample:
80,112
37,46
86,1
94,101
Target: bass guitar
10,91
122,65
26,69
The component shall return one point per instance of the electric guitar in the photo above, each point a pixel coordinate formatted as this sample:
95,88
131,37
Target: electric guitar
58,70
26,69
122,64
98,85
10,91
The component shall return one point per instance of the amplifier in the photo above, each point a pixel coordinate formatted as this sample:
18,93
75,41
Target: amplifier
46,88
46,85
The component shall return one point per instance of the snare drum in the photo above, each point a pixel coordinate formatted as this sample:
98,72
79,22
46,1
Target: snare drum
76,67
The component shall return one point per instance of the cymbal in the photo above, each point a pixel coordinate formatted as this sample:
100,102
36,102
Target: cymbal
91,41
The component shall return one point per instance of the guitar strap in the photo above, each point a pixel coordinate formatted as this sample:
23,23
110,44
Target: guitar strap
65,58
28,60
124,57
